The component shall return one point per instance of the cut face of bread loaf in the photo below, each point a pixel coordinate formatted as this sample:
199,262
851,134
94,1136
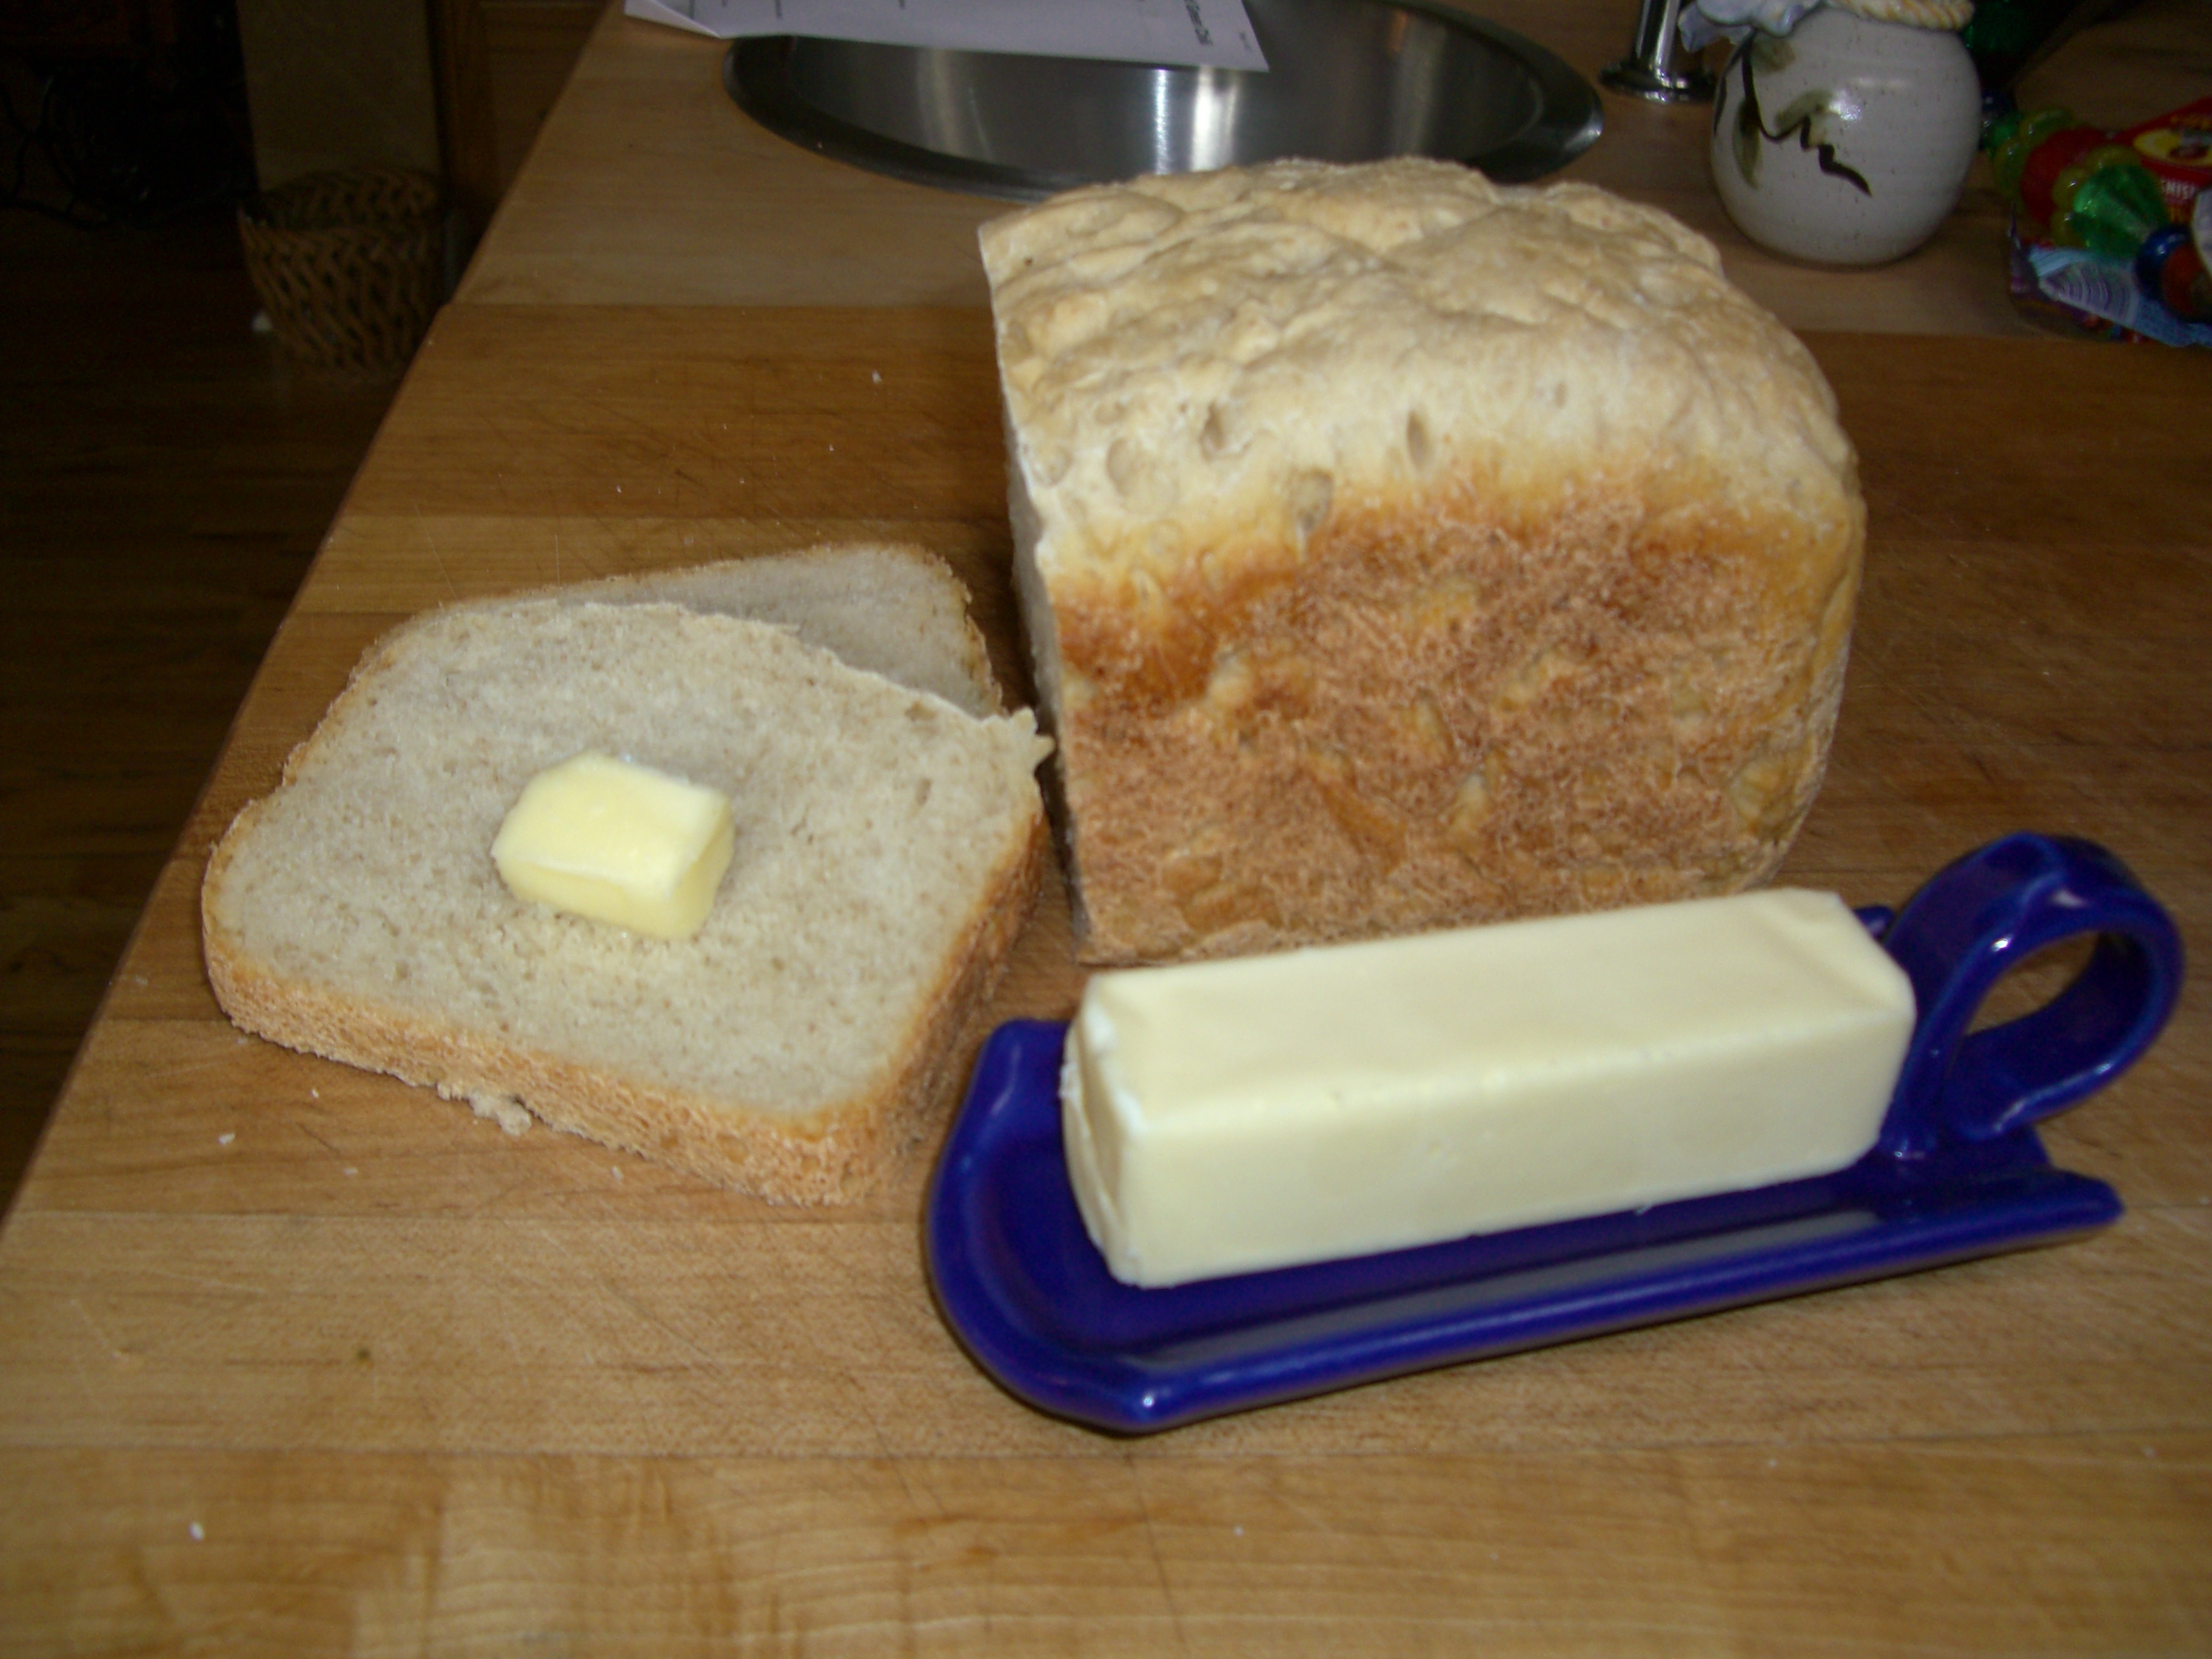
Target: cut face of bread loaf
888,848
1398,549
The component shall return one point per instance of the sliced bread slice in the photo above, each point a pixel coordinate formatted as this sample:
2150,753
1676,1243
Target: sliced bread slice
889,847
890,607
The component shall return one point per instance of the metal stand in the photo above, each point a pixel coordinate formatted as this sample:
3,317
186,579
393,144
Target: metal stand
1657,67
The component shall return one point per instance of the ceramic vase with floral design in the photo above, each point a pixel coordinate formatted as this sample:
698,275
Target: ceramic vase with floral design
1846,140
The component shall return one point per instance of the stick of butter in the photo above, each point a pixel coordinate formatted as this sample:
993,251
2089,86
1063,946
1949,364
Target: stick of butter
1227,1116
617,841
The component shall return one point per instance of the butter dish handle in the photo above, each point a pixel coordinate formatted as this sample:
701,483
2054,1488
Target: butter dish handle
1976,921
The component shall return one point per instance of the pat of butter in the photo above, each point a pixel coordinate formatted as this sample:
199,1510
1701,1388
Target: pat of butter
619,843
1227,1116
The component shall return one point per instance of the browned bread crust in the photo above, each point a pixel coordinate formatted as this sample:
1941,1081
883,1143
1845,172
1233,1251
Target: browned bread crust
1444,719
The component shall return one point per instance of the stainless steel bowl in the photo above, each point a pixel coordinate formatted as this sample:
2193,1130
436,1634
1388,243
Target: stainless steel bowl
1347,81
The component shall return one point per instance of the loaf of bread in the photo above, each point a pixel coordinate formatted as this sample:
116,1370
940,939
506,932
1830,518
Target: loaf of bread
887,847
1397,549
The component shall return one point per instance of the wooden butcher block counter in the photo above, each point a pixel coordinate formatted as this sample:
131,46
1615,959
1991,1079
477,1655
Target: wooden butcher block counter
294,1360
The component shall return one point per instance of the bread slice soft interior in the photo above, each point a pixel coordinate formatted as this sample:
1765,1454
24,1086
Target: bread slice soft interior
889,607
889,847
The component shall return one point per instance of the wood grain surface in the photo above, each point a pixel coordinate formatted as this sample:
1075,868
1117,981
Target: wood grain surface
164,479
648,185
718,211
295,1359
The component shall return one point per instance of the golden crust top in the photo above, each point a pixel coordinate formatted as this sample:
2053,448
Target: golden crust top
1243,346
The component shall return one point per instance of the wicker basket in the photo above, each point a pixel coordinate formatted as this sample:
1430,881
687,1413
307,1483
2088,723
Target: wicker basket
351,265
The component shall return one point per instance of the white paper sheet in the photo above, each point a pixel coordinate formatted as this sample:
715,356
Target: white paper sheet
1213,33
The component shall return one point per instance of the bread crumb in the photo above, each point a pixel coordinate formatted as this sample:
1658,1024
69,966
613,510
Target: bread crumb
198,1533
502,1109
225,1138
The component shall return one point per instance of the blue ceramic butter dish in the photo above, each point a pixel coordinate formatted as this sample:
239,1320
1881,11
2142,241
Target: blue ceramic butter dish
1958,1172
